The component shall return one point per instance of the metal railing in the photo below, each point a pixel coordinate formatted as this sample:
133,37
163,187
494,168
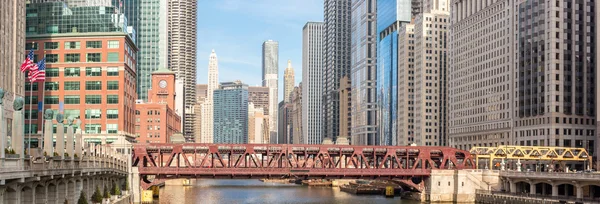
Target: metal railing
550,174
538,196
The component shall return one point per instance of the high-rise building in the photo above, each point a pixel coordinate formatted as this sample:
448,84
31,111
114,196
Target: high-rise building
390,16
288,82
259,96
406,84
430,68
270,74
208,105
345,106
258,129
312,78
90,71
12,81
364,72
285,122
182,56
201,91
296,115
534,86
156,120
336,33
231,113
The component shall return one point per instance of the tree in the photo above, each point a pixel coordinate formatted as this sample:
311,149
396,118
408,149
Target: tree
82,199
97,196
116,190
106,193
127,184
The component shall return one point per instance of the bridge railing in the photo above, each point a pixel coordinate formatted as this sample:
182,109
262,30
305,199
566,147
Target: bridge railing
550,174
537,196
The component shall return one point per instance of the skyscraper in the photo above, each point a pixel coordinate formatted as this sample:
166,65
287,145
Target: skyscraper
406,87
296,115
390,16
201,90
270,74
259,96
182,56
207,107
288,82
12,33
285,122
231,113
364,72
337,15
312,78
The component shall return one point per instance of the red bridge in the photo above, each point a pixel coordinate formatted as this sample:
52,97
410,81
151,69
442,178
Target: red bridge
401,163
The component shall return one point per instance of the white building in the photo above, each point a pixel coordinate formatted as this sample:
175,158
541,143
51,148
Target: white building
207,107
270,76
312,79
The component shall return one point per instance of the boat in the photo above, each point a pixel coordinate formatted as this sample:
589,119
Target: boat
316,183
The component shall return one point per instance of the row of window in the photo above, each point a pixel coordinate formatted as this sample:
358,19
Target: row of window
76,57
75,99
89,128
72,45
76,114
76,71
74,86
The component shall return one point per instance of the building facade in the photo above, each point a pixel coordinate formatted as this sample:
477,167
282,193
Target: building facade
364,72
285,123
270,76
312,78
258,127
156,120
12,81
231,113
296,114
201,92
345,108
336,33
208,105
182,57
390,16
406,82
90,71
259,96
288,82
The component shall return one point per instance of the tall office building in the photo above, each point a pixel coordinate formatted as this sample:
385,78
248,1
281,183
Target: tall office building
12,81
390,16
345,106
296,115
285,122
201,90
364,72
257,125
406,84
288,82
231,113
336,33
312,78
430,68
208,105
182,56
535,86
259,96
270,74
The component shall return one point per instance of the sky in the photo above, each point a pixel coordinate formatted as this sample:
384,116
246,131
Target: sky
236,29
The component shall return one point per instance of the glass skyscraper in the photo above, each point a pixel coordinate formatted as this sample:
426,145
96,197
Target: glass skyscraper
390,16
231,113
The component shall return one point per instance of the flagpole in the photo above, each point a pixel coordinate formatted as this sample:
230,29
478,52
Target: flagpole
30,110
43,96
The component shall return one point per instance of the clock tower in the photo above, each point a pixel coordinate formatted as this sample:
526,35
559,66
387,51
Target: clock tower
163,87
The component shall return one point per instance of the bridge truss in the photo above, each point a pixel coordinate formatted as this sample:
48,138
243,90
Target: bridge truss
536,153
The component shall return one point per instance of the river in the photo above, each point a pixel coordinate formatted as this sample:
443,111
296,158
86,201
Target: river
254,191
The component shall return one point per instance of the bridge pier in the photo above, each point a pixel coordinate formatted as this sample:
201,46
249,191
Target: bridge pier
532,188
554,190
513,186
579,191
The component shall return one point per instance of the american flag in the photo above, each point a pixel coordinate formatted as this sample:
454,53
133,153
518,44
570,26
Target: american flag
28,63
38,74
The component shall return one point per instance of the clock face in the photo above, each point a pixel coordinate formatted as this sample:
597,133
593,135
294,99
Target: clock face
162,84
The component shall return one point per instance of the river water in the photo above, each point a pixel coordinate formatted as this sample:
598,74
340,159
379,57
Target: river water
254,191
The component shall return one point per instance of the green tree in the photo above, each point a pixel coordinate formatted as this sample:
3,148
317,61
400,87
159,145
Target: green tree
106,193
116,190
82,198
97,196
127,184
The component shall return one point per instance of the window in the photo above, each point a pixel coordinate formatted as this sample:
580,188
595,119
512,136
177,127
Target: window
113,44
93,128
29,88
93,99
28,100
111,128
51,86
51,72
51,45
93,44
71,45
112,114
31,46
74,113
73,57
34,114
72,72
33,128
72,85
113,57
51,58
93,85
112,99
93,71
93,114
112,71
93,57
51,100
112,85
72,99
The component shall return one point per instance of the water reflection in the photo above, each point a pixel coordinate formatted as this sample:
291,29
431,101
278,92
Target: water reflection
254,191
